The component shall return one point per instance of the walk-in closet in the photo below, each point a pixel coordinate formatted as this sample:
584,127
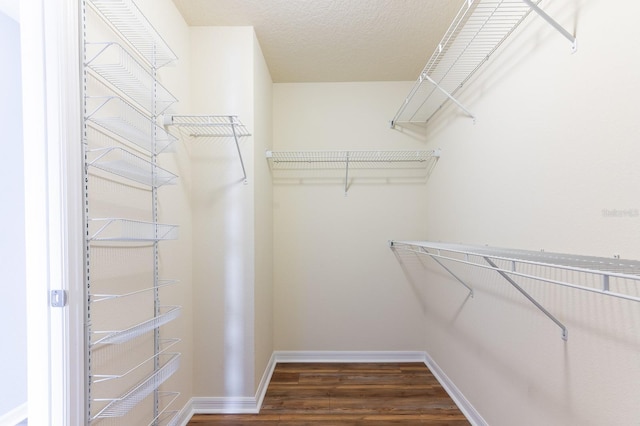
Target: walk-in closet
223,195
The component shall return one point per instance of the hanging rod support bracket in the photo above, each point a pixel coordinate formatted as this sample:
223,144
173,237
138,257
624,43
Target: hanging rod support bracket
528,296
554,24
450,96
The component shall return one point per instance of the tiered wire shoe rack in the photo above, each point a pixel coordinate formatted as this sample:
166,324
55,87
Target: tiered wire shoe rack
479,28
609,277
128,358
304,164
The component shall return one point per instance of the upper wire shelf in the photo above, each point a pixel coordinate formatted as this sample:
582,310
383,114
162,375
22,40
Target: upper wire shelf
338,159
125,17
116,66
118,407
120,118
121,162
406,164
117,229
208,126
211,126
606,276
478,29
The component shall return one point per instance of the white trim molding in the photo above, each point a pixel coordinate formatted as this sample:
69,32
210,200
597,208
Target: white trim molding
458,397
349,356
252,404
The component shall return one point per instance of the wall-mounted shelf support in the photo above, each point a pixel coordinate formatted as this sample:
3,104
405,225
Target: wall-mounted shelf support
435,258
544,15
528,296
614,275
211,126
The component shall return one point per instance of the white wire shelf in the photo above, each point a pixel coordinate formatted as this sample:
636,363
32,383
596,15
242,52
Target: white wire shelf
117,116
164,345
208,126
347,161
116,66
478,29
211,126
125,17
121,162
118,229
169,313
101,297
338,159
118,407
605,276
166,416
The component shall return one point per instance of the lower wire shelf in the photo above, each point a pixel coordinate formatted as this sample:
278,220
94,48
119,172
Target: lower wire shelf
169,313
118,407
606,276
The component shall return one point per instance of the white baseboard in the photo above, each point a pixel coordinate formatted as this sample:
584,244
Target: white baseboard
252,405
234,405
458,397
14,416
349,356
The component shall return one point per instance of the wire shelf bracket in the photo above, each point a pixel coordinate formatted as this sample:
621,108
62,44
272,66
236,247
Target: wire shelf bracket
281,160
511,263
211,126
479,28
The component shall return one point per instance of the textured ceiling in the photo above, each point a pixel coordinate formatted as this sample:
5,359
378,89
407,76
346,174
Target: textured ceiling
334,40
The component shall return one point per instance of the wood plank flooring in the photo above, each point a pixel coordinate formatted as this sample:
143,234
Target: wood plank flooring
348,394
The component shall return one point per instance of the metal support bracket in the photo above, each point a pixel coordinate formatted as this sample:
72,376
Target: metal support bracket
448,270
235,138
449,95
554,24
346,176
528,296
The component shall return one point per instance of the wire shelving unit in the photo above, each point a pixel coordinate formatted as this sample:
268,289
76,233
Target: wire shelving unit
479,28
211,126
119,117
115,65
350,160
605,276
127,359
120,162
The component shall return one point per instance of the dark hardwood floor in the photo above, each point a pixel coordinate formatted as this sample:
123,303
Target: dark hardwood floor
348,394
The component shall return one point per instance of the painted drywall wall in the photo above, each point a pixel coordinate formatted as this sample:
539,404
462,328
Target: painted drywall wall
336,285
222,82
553,150
13,316
263,198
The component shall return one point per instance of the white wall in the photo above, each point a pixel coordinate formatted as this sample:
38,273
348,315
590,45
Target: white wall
337,286
263,199
555,144
230,218
13,319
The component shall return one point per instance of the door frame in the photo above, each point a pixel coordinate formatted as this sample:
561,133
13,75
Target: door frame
50,44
